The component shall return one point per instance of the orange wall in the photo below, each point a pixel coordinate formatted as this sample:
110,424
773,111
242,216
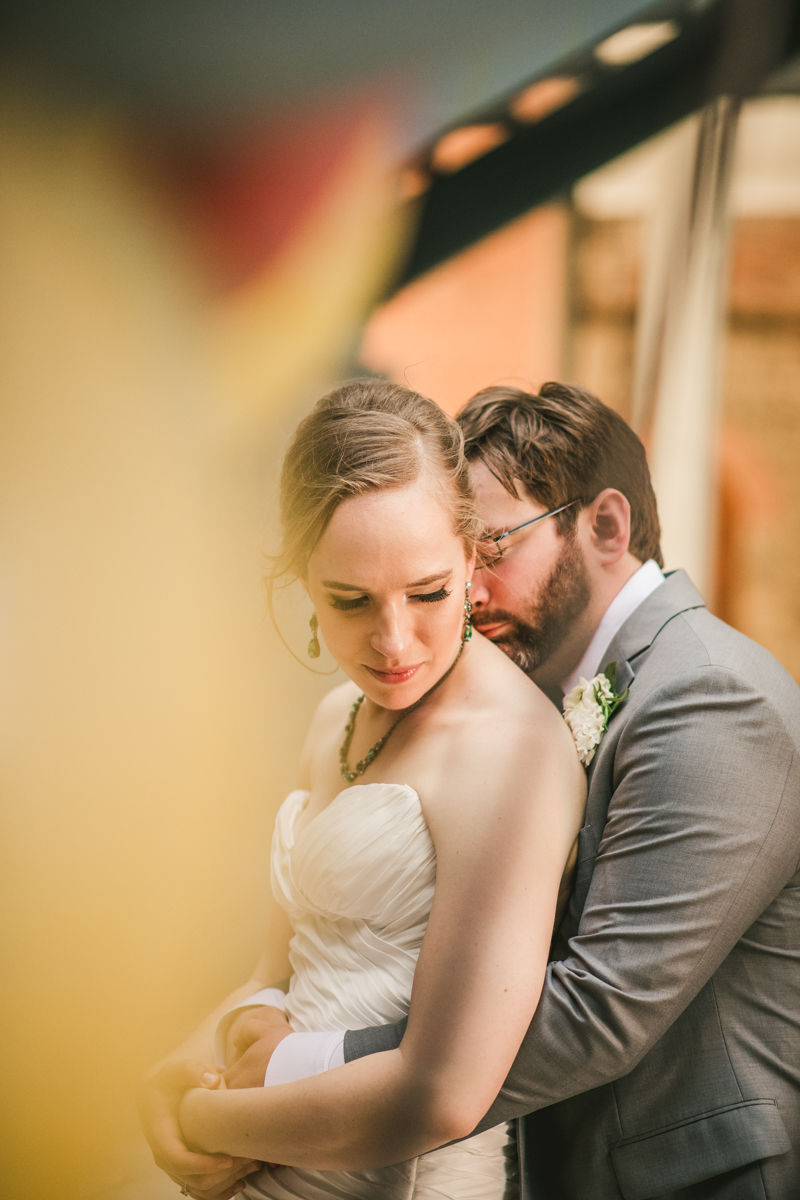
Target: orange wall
493,314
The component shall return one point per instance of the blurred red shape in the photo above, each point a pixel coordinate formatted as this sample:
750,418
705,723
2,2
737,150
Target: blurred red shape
246,193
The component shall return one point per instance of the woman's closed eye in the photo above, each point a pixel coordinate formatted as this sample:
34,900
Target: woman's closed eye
346,604
431,597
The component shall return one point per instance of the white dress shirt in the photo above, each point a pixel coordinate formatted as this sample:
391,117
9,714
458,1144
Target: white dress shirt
638,588
301,1055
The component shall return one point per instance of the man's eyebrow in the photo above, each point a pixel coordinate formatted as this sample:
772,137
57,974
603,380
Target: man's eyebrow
336,586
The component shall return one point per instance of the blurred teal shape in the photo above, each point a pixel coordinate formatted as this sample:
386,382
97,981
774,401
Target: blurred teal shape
200,60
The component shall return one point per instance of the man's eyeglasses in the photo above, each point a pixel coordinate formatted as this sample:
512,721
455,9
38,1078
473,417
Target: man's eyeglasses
493,556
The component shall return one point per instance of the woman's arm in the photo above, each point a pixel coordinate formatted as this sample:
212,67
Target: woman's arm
503,823
192,1064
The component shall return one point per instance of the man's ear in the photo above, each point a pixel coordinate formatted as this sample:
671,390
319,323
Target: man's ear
610,517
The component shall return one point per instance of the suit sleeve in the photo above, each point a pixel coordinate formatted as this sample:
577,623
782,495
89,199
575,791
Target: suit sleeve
358,1042
703,831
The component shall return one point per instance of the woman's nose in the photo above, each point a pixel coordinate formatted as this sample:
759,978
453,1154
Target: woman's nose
392,635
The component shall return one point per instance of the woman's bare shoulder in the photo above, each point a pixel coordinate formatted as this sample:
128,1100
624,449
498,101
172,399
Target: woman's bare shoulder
507,689
511,730
334,703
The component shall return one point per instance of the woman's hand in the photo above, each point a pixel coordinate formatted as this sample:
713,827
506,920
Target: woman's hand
205,1176
251,1040
210,1187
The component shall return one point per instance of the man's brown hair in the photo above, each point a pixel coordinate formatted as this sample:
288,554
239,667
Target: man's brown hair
563,444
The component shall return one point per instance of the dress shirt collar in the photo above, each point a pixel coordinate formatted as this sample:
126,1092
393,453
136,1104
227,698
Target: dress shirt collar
628,598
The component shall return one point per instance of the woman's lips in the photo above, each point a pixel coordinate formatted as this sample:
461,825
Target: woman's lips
396,675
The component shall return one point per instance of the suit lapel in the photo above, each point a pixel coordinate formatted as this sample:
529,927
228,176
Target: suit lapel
624,673
676,595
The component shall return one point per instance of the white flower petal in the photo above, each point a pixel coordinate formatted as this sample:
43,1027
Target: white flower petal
585,715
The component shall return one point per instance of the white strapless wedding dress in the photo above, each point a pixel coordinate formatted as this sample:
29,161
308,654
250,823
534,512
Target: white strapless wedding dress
357,883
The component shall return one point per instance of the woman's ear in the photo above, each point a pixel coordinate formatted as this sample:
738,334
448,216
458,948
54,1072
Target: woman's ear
471,561
610,517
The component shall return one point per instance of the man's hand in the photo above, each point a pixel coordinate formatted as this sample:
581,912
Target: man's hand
205,1176
250,1043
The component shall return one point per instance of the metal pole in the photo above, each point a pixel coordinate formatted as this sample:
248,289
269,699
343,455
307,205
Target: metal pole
676,384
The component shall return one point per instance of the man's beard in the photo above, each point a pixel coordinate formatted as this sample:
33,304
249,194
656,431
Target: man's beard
535,637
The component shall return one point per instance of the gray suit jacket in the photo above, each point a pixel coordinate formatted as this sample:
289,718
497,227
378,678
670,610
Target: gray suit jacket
664,1056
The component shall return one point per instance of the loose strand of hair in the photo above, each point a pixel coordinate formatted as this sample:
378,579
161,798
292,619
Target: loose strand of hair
269,584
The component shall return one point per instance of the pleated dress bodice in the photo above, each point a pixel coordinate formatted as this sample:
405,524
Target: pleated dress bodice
357,882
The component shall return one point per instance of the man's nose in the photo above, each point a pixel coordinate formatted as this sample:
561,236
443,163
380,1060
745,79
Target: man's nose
480,593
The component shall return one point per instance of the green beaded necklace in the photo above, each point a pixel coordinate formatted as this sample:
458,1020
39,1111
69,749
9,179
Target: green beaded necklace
347,775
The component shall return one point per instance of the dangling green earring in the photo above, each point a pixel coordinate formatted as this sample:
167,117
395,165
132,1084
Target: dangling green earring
467,636
313,645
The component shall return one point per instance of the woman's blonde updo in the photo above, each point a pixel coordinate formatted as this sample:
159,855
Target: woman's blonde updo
367,436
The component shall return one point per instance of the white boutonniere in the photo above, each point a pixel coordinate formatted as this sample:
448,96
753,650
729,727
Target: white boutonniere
588,709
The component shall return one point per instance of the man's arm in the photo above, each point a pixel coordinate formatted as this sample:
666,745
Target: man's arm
703,831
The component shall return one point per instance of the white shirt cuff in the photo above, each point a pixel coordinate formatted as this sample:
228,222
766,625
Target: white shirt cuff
301,1055
270,995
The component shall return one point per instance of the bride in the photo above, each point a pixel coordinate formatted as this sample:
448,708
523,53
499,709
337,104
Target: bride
420,858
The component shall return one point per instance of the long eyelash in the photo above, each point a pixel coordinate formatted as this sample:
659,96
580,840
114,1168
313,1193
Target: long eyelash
343,605
432,597
346,605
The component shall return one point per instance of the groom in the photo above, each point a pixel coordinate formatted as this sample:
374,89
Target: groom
664,1056
663,1059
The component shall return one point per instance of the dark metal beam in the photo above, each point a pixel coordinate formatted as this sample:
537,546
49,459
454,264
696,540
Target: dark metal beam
726,47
